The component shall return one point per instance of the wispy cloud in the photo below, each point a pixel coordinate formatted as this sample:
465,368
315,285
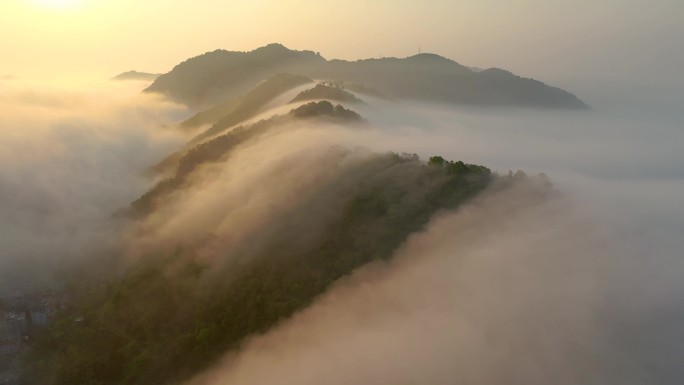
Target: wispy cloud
68,159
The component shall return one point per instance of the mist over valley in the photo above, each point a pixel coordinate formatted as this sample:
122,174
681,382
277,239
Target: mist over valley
273,216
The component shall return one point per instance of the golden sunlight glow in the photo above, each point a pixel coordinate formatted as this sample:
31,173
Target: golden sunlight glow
57,4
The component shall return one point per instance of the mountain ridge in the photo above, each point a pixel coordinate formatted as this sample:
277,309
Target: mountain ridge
253,220
215,76
135,75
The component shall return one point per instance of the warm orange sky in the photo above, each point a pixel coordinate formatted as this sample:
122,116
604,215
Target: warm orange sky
552,40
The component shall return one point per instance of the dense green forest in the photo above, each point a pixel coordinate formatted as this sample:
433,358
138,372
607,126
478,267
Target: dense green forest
170,316
329,92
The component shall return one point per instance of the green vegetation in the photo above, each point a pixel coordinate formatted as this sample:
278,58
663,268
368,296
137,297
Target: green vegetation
323,91
325,109
232,113
210,151
169,317
216,149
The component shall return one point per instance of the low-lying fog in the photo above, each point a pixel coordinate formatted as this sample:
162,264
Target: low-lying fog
586,288
69,158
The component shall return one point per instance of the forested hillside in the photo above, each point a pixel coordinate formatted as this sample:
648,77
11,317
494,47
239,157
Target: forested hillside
166,318
260,214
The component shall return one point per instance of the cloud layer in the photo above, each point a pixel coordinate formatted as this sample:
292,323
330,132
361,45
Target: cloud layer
584,288
69,158
508,290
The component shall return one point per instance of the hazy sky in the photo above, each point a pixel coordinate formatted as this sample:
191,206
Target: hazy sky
557,41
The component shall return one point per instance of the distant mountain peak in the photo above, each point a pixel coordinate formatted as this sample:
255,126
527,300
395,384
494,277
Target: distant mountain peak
430,56
325,109
277,49
273,47
135,75
496,70
213,78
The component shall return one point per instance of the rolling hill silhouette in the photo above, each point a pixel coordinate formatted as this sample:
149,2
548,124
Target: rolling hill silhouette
216,76
135,75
